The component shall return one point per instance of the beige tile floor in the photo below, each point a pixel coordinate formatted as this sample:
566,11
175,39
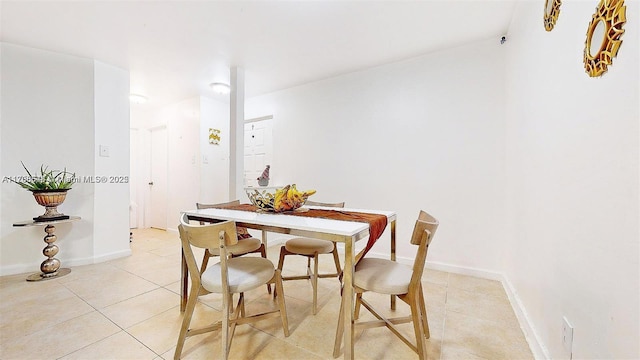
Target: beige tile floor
129,309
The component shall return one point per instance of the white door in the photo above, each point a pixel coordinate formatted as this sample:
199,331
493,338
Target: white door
257,150
158,179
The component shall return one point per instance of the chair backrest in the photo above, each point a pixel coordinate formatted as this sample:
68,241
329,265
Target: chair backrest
220,205
424,222
423,232
315,203
209,236
242,232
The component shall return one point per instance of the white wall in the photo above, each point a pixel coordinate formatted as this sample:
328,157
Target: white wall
190,177
47,101
573,144
183,154
1,170
111,223
427,133
530,165
49,113
214,159
141,119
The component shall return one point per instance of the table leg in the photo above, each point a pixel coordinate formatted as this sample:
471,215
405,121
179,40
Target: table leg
264,240
184,282
51,266
393,257
266,247
347,293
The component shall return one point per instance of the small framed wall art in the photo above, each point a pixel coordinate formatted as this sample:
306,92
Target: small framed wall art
214,136
551,12
603,36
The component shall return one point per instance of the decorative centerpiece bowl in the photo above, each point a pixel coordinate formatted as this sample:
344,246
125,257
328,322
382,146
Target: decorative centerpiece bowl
278,200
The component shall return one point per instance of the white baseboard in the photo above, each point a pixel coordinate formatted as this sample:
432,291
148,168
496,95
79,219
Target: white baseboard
98,259
461,270
538,350
32,268
18,269
112,256
530,333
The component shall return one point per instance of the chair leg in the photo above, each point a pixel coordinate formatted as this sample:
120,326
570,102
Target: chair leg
340,329
423,309
237,314
314,282
417,326
356,313
263,253
226,309
241,301
186,321
281,304
280,265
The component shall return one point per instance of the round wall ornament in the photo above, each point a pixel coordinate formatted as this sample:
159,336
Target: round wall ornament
603,36
551,12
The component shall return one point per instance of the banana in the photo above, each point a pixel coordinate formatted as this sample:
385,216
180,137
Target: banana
289,198
295,198
278,199
308,193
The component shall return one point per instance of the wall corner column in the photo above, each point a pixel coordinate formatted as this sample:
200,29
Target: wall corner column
236,134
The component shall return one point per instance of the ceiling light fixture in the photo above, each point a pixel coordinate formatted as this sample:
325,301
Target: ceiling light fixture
220,88
137,99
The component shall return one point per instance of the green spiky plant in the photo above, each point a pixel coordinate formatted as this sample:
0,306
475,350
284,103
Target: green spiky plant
47,179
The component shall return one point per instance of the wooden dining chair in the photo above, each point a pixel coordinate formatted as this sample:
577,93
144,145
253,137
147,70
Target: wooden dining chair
229,276
247,244
311,248
389,277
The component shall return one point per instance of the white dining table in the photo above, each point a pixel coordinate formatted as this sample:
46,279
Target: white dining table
346,232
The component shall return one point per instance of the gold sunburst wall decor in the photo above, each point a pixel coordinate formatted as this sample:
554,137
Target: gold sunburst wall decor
551,12
603,36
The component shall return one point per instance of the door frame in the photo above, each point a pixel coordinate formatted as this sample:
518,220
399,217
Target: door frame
255,120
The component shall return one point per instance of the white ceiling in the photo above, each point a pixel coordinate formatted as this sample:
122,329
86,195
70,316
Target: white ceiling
174,49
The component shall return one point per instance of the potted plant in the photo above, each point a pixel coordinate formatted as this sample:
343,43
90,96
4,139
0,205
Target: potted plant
49,188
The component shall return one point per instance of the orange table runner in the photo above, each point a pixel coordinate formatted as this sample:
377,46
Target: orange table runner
377,223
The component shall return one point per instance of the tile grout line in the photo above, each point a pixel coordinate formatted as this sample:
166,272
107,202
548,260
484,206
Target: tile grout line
453,287
109,319
444,315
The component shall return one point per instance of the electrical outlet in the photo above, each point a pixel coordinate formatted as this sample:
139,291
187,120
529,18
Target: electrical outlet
567,337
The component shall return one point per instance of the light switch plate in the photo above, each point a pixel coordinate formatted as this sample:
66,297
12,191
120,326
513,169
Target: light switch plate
104,151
